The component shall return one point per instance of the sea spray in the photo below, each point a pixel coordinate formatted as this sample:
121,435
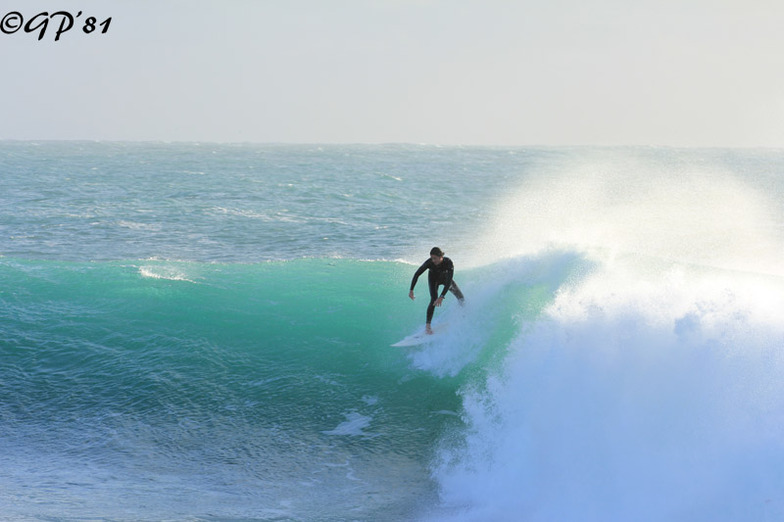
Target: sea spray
684,208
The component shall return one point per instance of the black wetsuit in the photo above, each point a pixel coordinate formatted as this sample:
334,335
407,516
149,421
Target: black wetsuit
440,274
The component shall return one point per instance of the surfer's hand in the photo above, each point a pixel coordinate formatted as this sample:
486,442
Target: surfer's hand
439,301
411,295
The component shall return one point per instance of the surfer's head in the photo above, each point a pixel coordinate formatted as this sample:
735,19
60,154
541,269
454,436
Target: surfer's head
437,255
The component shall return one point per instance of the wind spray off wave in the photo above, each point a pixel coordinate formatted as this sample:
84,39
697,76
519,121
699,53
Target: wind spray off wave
650,388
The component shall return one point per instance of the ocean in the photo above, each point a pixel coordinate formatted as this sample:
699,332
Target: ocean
197,331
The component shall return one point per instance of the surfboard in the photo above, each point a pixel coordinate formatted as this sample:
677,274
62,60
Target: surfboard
421,337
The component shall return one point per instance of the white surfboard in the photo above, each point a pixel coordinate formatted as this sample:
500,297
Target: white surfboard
421,337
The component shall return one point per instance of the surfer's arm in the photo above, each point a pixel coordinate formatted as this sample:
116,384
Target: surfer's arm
419,272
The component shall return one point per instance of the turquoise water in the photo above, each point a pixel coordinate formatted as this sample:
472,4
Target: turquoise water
147,386
201,332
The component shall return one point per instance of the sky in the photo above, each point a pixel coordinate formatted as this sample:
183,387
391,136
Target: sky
689,73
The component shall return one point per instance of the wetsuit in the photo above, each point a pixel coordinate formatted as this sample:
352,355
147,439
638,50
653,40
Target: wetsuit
440,274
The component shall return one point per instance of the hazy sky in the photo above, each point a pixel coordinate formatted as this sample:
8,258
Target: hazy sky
545,72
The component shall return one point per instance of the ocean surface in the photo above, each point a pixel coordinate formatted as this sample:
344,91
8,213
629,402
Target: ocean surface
202,332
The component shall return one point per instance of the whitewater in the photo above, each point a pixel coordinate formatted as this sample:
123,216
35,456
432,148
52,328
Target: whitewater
202,332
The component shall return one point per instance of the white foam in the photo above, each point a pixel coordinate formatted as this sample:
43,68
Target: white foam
639,395
163,272
454,348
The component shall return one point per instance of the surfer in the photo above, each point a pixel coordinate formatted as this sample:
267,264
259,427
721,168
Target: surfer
442,271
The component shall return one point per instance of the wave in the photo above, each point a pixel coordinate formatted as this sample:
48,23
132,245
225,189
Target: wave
569,387
646,390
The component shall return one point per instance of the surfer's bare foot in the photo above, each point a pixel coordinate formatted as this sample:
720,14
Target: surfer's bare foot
428,330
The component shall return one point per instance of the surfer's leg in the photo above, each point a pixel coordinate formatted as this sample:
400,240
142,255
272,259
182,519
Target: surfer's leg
456,290
433,286
431,308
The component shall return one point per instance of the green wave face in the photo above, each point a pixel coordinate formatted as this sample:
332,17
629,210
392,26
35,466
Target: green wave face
277,378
